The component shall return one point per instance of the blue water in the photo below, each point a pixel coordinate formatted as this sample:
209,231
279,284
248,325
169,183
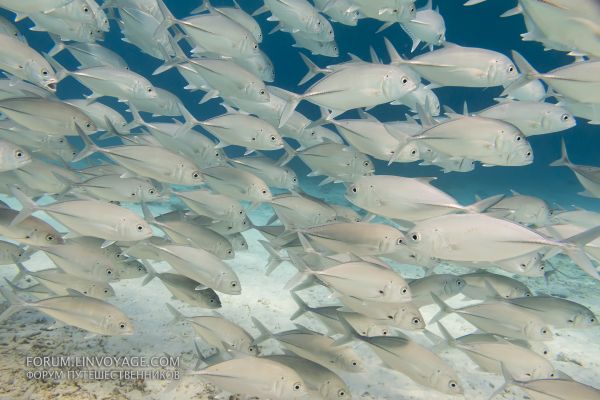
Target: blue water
478,26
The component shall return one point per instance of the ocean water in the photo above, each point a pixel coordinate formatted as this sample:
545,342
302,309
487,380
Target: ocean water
575,352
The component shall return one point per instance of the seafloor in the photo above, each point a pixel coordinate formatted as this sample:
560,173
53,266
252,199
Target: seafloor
29,333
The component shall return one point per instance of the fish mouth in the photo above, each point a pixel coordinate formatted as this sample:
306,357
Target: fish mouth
51,86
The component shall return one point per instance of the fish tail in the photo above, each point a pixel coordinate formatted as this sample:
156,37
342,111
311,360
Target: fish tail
528,73
205,6
446,335
444,309
265,333
302,306
274,258
313,70
290,107
58,45
395,57
29,206
89,147
473,2
508,381
289,155
564,157
482,205
177,316
61,72
22,273
151,272
190,121
349,333
261,10
574,248
16,304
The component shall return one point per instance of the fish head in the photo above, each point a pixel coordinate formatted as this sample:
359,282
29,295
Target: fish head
408,153
41,74
584,320
143,90
188,174
226,252
100,290
502,71
257,91
425,238
15,156
349,361
228,283
260,192
134,229
538,331
454,286
362,165
210,299
446,382
117,324
290,387
558,119
333,389
130,268
408,316
396,84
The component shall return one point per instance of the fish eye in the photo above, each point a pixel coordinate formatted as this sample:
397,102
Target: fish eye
122,325
415,237
384,332
592,320
511,68
565,117
395,11
264,191
273,138
404,290
399,241
140,269
354,363
85,9
262,91
416,321
366,163
528,154
195,175
544,331
229,251
413,152
354,189
341,393
133,193
404,80
319,23
149,90
256,46
452,384
297,386
233,284
518,138
139,228
109,272
19,153
390,317
151,191
294,180
49,238
459,282
330,31
45,72
88,125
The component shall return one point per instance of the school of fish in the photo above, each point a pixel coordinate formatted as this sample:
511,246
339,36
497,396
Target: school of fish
104,198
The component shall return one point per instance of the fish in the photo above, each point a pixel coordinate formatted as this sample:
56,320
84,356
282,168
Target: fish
532,118
560,313
31,230
427,26
12,156
485,285
35,67
84,312
443,285
407,199
577,81
313,346
500,318
219,332
588,176
460,237
198,265
60,282
492,353
184,289
237,184
425,368
256,377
